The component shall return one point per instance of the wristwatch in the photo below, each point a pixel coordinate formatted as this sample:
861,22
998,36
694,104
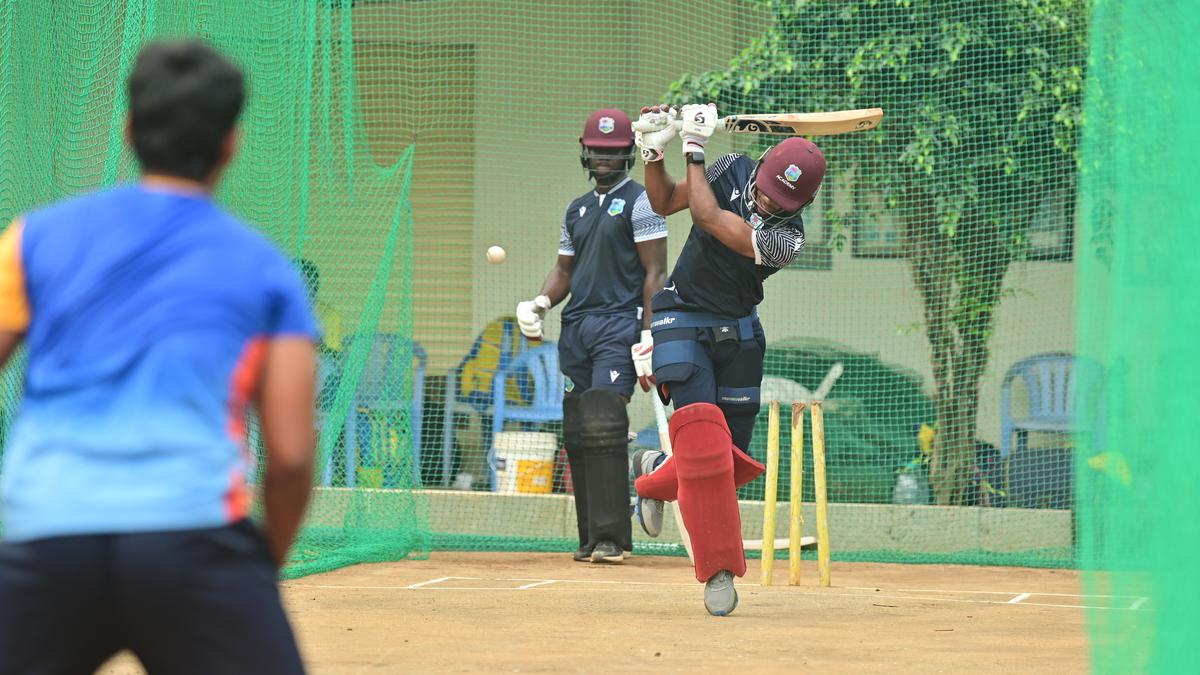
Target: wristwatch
694,157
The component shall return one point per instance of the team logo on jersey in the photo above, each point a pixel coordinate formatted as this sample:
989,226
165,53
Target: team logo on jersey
613,375
582,210
734,195
792,172
616,207
756,220
606,125
568,385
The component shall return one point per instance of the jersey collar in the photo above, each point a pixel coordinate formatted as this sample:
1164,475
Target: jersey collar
611,189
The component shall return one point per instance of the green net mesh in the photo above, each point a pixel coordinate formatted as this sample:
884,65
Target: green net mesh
1137,319
388,144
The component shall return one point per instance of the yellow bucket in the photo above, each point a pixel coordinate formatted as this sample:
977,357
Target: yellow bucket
525,462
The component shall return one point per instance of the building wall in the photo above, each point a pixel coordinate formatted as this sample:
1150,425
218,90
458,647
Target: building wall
541,68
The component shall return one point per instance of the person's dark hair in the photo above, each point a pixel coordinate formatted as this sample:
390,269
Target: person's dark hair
184,99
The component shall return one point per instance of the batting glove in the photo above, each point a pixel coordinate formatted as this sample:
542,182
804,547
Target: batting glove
642,365
530,314
654,130
699,123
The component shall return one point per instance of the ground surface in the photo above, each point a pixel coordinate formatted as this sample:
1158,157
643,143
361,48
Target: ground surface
504,612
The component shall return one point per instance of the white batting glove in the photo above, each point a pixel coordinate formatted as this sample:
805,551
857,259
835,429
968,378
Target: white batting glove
655,130
642,365
699,123
530,314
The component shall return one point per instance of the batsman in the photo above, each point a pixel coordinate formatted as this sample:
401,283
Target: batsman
709,344
612,257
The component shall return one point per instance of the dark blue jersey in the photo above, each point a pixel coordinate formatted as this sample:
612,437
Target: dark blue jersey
711,277
602,232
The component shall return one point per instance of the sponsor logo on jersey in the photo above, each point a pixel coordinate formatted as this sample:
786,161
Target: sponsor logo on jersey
616,207
613,375
582,210
568,385
734,195
606,125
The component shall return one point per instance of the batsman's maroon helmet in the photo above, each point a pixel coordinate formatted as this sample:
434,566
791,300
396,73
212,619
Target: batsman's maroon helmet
608,128
791,173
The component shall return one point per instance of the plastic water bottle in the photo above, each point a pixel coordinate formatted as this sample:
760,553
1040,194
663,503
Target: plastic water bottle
906,491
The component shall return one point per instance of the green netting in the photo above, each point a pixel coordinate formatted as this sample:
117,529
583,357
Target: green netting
307,173
939,255
390,143
1138,320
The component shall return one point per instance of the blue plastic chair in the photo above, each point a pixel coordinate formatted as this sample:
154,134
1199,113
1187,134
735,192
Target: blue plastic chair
1054,381
379,393
540,366
480,403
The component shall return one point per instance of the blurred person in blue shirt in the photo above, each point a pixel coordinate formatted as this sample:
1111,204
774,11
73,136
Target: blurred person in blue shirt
152,319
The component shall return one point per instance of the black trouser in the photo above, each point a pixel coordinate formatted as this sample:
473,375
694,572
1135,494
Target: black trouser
188,601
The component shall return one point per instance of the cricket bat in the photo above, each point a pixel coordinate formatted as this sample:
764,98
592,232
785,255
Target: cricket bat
796,124
664,441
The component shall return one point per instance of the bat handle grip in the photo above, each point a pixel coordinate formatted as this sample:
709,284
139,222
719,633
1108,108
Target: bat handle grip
678,124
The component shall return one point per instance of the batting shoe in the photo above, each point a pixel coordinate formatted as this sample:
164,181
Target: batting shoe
582,554
607,552
720,597
649,511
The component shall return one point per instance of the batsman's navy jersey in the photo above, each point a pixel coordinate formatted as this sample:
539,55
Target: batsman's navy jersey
711,277
602,232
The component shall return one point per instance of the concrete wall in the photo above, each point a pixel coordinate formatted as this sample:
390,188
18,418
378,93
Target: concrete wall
853,527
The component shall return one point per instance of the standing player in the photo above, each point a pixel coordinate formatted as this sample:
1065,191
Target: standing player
710,345
152,318
612,258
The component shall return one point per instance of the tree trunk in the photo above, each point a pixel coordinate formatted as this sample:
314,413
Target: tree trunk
933,261
958,302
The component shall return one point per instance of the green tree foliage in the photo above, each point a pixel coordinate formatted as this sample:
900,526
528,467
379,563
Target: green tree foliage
982,104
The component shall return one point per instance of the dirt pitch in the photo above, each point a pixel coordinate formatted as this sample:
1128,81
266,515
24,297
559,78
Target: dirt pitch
505,612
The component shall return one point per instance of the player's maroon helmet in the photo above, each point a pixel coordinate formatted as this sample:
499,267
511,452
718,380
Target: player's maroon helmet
606,134
790,174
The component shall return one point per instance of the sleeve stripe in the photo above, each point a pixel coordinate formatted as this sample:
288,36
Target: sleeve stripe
565,245
637,239
647,224
719,167
777,247
15,314
754,245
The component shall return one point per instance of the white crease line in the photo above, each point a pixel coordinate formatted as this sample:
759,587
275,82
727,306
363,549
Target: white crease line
603,585
814,594
1137,604
438,581
944,590
968,601
1019,598
536,584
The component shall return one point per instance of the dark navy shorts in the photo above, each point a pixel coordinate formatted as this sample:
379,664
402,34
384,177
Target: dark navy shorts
720,364
595,352
189,601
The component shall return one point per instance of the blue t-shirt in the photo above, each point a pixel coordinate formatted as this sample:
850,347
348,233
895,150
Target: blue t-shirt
147,312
